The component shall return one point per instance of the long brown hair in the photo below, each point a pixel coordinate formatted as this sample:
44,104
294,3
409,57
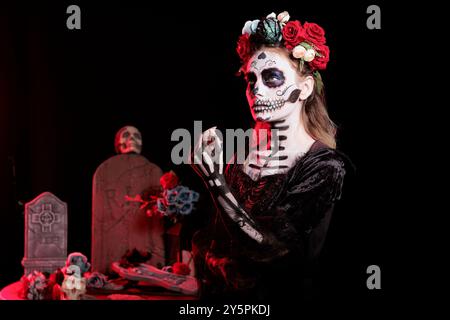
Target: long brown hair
315,116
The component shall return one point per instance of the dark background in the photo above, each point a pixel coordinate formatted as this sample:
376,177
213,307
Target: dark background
64,93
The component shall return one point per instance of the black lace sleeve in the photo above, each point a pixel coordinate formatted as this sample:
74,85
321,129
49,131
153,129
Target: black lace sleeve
302,215
291,209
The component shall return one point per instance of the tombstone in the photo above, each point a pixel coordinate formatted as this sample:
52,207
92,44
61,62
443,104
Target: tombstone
117,224
45,234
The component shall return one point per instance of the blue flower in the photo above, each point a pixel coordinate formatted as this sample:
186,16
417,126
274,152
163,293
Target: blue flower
195,196
171,209
179,188
178,200
186,208
171,196
184,195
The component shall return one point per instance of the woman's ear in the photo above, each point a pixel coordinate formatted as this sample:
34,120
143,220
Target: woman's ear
306,87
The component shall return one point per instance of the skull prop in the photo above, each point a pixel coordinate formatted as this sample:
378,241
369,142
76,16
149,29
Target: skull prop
128,140
275,86
74,285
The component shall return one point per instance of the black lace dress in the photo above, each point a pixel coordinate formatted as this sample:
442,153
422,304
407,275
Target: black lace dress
293,208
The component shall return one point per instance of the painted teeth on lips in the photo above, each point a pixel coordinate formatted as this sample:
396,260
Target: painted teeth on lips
267,105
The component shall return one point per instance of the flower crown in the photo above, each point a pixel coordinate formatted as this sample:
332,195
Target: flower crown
305,42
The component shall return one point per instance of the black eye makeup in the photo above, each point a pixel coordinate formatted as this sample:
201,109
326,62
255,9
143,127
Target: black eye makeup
272,77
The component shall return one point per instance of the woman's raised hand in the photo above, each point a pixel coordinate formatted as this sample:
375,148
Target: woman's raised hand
207,156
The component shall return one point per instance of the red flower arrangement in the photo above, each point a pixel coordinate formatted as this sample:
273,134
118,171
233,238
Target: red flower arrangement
306,42
43,286
173,201
244,47
314,33
293,34
321,60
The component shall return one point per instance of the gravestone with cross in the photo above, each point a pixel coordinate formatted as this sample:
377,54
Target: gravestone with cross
119,225
45,234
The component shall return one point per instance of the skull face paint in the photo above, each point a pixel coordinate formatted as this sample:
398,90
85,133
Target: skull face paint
128,140
272,85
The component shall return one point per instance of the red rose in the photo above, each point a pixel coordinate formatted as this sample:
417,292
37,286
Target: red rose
243,48
293,34
169,180
314,33
181,268
320,63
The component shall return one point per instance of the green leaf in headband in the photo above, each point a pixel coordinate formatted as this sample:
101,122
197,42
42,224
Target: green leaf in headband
301,65
306,45
319,82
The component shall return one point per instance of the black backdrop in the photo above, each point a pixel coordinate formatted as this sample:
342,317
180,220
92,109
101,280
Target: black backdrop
64,93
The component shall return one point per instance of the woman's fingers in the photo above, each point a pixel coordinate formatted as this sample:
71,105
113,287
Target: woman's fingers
208,152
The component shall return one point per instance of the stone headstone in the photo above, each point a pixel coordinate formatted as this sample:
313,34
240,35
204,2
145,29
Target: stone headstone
45,234
119,225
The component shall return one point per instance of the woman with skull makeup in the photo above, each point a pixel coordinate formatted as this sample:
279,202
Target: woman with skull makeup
274,208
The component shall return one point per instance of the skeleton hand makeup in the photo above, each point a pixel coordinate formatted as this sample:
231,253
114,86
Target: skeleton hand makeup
208,163
208,153
274,86
128,140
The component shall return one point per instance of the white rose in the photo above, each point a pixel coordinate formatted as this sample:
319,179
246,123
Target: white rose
254,25
283,17
299,52
309,55
246,28
250,27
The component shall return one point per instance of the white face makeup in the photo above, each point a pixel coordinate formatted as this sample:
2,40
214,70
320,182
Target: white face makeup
273,86
276,92
128,140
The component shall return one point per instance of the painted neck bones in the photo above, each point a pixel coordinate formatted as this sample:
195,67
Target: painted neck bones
128,140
